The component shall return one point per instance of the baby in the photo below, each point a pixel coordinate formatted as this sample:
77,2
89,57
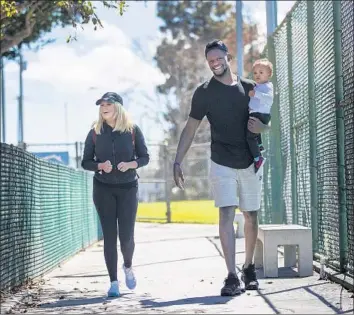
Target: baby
261,100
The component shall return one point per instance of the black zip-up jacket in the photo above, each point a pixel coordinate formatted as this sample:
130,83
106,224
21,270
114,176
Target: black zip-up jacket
116,147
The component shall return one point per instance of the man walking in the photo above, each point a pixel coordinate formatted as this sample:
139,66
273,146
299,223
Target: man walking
224,101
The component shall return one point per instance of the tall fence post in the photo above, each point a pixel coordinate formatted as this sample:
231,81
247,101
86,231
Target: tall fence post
275,141
167,185
77,155
294,206
2,102
239,37
343,232
23,67
312,124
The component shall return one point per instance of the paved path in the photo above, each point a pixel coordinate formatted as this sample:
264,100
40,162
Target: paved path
180,270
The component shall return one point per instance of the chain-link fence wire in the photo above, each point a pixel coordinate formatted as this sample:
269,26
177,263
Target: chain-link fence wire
347,14
47,215
152,177
303,188
196,166
156,182
326,131
281,58
301,113
266,202
301,150
152,186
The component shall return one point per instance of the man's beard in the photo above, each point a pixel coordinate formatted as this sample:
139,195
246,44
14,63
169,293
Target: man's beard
222,73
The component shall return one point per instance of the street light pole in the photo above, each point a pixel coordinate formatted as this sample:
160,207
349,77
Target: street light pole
2,100
66,123
239,37
272,20
23,67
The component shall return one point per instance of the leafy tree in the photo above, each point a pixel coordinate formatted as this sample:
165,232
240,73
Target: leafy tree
25,21
187,27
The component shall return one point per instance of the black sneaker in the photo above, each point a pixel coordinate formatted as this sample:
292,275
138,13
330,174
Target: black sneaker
231,286
249,277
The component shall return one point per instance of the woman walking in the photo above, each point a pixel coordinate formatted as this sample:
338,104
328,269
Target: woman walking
114,149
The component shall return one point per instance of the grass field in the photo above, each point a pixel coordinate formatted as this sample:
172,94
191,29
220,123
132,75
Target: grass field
189,211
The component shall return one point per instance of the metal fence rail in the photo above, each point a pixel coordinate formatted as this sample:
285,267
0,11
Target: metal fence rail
46,215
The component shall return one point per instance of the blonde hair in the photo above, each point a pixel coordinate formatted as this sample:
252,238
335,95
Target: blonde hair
123,123
264,62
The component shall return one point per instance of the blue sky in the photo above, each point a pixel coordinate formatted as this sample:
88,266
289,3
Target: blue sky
78,73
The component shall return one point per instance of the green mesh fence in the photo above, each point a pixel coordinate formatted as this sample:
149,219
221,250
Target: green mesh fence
299,69
327,179
302,145
347,13
47,215
305,77
266,203
280,41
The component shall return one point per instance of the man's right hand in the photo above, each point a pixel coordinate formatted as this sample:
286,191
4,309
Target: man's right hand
106,166
178,175
184,144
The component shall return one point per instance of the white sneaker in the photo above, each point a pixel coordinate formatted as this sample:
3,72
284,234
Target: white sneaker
113,290
130,279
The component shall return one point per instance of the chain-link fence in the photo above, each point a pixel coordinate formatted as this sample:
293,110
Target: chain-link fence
46,216
310,157
153,193
160,200
347,18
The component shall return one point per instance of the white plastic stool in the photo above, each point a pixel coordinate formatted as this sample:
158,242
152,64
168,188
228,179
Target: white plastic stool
270,236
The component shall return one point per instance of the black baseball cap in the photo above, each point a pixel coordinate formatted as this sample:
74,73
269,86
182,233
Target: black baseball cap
216,43
110,97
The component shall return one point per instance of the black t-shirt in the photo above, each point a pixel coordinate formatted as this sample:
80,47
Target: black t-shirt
226,107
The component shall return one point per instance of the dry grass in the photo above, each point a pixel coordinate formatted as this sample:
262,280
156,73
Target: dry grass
188,211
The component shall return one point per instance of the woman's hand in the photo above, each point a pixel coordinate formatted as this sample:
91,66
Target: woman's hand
124,166
106,167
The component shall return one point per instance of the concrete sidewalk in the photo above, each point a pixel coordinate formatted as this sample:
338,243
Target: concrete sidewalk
180,270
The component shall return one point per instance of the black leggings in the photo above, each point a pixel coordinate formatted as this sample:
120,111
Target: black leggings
116,204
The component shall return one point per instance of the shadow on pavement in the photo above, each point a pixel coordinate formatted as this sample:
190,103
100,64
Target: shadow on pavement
86,275
82,276
309,289
81,301
201,300
324,301
283,273
348,312
270,304
290,289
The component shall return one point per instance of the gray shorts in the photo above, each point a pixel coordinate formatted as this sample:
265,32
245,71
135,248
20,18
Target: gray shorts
236,187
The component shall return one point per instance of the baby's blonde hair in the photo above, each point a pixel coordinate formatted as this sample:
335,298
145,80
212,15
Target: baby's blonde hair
123,122
264,62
